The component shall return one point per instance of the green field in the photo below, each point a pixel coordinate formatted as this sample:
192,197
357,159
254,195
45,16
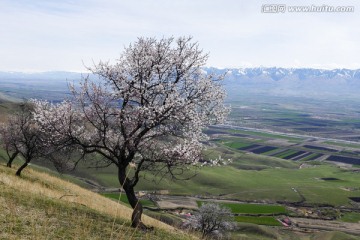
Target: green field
285,153
270,221
255,208
263,134
253,178
352,217
237,144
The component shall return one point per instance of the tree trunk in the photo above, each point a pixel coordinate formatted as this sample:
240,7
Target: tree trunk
11,159
9,163
18,172
134,202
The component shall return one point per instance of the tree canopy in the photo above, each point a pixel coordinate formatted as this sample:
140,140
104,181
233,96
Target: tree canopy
147,110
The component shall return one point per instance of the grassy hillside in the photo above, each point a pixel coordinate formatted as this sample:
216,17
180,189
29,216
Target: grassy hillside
38,206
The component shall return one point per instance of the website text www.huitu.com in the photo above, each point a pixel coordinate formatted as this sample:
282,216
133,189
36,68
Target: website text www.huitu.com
282,8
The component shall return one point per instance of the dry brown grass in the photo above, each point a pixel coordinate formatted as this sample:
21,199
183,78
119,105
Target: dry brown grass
38,203
44,184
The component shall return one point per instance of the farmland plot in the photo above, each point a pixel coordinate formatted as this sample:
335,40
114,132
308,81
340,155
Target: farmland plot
343,159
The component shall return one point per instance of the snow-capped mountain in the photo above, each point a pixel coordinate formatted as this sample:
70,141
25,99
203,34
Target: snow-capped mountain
278,74
292,81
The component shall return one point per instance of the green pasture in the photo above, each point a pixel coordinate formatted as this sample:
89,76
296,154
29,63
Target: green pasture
269,221
271,185
352,217
255,208
237,144
263,134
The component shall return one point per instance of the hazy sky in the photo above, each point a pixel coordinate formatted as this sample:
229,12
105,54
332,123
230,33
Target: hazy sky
42,35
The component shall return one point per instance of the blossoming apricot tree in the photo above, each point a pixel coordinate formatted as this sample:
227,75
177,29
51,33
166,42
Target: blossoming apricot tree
21,137
146,111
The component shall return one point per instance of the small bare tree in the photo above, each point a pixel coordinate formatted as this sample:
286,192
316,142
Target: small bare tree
146,111
212,219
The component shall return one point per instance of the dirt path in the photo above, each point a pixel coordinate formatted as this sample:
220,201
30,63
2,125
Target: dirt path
352,228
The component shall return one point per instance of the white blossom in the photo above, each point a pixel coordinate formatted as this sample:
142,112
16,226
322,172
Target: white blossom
147,109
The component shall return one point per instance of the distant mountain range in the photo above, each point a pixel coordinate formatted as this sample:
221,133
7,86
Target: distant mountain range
277,74
300,82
